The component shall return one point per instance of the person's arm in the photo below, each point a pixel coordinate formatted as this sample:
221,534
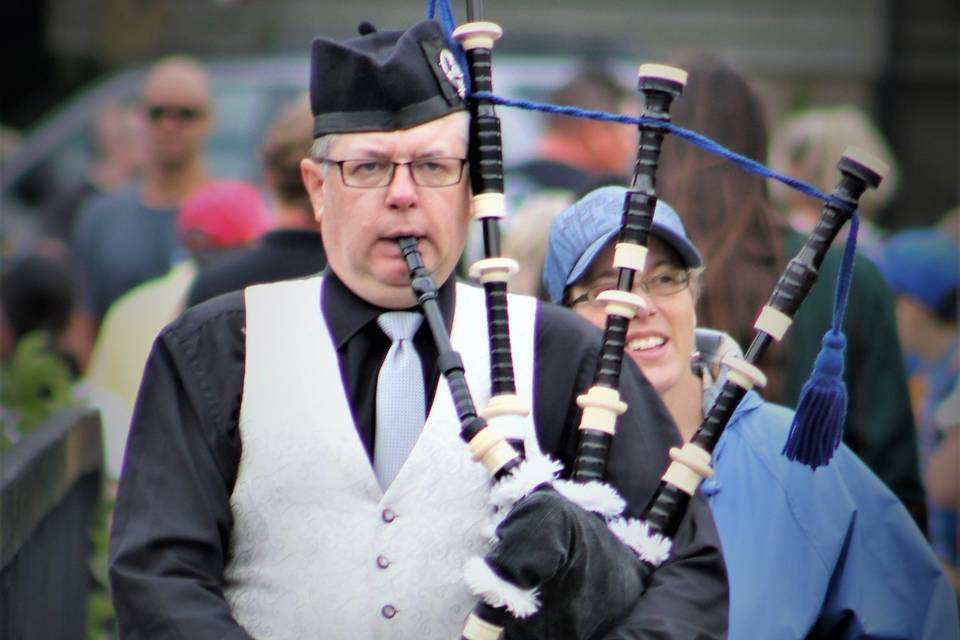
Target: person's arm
942,475
688,597
172,521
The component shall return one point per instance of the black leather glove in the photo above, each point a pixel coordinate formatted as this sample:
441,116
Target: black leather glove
586,578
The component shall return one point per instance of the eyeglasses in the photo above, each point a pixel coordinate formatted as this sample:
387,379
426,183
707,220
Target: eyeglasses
426,172
663,282
157,112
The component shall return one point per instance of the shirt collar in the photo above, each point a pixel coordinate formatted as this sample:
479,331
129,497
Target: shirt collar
347,313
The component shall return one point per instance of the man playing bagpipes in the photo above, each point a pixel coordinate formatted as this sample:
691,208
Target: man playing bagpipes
294,468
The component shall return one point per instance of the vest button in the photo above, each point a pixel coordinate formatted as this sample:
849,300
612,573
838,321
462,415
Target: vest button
383,562
388,611
388,515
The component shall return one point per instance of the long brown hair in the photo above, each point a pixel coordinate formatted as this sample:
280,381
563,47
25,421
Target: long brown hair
726,210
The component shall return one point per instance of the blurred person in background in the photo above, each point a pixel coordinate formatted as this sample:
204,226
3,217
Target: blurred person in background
922,267
942,473
37,294
217,220
293,248
746,243
127,237
571,153
37,306
807,145
17,231
119,156
830,553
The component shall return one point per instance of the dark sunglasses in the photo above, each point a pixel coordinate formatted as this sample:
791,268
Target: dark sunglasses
157,113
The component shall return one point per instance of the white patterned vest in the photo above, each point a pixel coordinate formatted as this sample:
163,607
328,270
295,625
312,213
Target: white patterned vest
317,550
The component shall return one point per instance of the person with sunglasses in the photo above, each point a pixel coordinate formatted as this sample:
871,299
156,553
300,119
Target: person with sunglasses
830,553
128,236
294,468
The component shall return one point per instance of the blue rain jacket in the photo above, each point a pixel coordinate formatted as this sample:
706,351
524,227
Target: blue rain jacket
825,553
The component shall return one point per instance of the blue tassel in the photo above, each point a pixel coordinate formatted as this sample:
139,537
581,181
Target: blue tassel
818,423
822,410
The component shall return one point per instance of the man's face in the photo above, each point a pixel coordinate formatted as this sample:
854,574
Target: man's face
623,141
612,146
360,226
177,110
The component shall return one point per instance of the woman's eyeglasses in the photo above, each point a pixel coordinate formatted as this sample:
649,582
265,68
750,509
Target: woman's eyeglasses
663,282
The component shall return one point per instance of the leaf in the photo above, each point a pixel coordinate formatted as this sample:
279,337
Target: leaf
34,385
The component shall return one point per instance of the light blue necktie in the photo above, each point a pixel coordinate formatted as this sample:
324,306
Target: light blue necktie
400,399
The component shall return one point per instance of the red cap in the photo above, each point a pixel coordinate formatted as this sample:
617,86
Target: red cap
223,214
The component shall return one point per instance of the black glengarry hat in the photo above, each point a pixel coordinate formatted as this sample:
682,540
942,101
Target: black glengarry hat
384,80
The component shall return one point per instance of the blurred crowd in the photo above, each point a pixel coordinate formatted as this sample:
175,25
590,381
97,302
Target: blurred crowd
149,231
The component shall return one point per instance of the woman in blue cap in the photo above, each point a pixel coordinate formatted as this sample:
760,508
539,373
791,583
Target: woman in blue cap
825,553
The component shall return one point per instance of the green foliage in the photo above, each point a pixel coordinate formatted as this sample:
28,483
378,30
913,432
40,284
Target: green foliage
35,384
101,620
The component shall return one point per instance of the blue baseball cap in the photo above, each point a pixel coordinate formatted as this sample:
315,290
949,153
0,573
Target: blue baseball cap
923,264
581,231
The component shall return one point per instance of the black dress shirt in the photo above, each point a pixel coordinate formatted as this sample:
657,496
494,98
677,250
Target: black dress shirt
172,523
